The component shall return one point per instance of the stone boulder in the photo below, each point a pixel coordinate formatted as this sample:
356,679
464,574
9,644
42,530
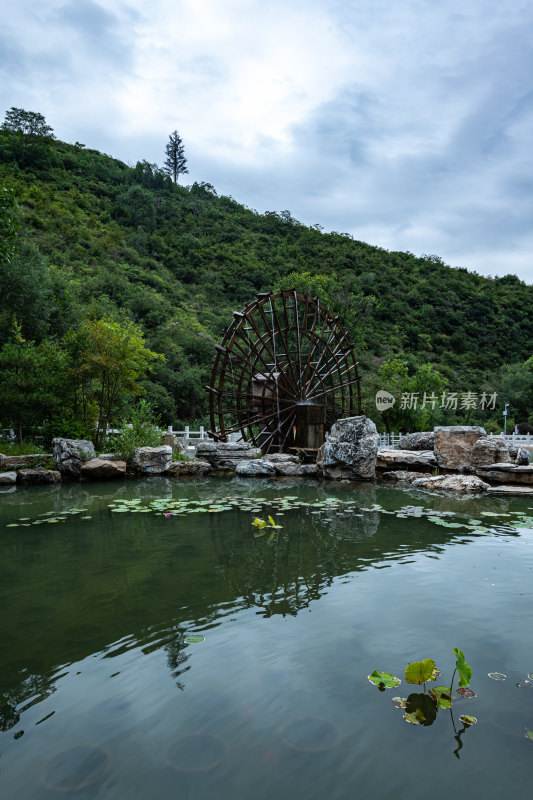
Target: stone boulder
423,440
256,466
226,455
454,444
489,450
33,460
309,471
38,476
152,460
194,467
297,470
100,469
351,449
402,475
281,458
388,458
285,468
8,478
512,491
70,454
172,440
461,484
518,455
507,473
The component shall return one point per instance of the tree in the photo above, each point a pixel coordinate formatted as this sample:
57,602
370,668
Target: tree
417,397
33,382
30,134
25,293
175,161
27,123
109,358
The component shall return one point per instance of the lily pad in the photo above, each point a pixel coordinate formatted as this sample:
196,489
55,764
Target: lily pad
194,638
523,683
441,695
383,680
420,671
497,676
529,734
465,691
467,720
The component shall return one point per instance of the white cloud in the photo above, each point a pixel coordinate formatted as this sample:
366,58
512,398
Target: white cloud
408,124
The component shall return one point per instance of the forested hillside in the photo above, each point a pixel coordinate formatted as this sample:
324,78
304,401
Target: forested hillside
89,242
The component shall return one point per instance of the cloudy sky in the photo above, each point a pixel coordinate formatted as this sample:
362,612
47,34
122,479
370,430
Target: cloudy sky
407,123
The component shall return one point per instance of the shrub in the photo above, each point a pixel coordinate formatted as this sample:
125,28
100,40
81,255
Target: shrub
140,431
8,448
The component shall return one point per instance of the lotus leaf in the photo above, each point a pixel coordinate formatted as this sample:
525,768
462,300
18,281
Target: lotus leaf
383,680
420,671
467,720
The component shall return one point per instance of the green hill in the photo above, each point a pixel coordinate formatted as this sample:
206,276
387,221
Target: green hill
99,239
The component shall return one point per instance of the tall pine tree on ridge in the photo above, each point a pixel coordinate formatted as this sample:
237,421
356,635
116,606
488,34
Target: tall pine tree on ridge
175,162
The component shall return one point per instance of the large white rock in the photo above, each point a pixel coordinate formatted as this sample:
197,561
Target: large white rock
194,467
507,473
38,476
226,455
518,455
388,458
462,484
454,444
489,450
402,475
70,454
285,468
152,460
422,440
102,469
281,458
351,449
256,466
8,478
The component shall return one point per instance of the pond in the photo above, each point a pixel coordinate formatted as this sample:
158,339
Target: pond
163,649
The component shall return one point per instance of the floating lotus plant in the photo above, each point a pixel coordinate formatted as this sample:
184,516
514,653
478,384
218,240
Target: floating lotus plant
262,526
384,680
421,707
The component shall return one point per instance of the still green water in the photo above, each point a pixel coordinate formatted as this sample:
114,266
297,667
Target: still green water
101,696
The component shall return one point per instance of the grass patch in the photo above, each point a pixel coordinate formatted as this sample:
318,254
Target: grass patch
15,449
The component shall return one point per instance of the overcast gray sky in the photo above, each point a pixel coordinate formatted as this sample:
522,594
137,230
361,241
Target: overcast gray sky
407,123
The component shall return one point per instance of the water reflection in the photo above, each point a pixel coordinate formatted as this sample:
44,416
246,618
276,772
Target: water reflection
140,583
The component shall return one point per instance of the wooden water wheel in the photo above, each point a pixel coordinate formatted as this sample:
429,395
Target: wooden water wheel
283,373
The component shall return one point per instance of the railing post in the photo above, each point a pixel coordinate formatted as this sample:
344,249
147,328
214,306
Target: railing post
202,432
169,429
187,432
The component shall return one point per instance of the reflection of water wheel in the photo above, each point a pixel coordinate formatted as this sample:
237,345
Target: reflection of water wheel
283,372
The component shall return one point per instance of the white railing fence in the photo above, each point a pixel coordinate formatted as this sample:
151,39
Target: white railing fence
389,439
188,434
516,438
